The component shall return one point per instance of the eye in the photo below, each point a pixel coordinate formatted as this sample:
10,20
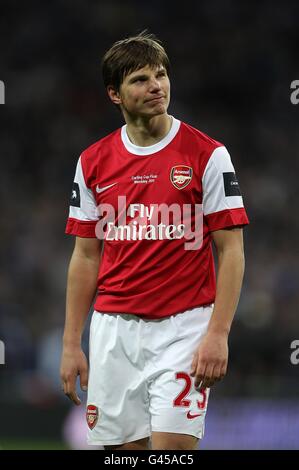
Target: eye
139,79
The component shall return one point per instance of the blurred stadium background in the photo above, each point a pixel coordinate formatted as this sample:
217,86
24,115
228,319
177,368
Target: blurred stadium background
232,66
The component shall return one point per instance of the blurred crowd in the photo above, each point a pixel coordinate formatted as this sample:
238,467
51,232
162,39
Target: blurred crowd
232,65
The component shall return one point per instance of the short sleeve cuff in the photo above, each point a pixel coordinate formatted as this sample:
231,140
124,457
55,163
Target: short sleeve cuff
80,228
227,218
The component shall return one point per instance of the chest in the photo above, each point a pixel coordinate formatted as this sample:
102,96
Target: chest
169,179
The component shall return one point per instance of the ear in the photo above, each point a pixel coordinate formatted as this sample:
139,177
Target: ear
113,94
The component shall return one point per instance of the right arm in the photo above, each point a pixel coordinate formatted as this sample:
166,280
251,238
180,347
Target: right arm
81,290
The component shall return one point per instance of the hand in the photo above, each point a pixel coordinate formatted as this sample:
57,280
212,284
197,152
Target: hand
73,363
210,360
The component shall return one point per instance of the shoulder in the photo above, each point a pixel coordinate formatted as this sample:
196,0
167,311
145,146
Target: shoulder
201,145
93,152
92,156
201,139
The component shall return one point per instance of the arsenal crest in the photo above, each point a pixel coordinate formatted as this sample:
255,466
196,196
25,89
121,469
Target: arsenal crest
92,415
180,176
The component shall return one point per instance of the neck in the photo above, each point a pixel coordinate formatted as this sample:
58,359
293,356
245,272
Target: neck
145,132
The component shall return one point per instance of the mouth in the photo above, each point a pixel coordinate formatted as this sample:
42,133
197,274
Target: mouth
155,100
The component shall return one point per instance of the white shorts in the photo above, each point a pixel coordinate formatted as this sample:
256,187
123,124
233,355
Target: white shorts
139,378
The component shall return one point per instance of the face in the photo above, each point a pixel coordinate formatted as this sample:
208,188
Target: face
144,92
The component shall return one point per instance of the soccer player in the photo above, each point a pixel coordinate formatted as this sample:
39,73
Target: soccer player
147,203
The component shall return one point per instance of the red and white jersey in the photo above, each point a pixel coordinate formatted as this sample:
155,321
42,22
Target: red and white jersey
146,268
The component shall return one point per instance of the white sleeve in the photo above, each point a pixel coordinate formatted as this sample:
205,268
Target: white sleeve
220,187
82,205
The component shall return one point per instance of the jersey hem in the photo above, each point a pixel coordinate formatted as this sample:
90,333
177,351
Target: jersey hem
150,317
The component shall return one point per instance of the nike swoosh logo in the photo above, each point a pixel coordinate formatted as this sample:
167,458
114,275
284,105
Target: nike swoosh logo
191,416
100,190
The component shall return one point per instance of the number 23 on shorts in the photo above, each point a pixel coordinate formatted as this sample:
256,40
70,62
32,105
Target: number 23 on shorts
182,398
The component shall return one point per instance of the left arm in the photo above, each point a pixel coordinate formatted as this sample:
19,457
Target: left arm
210,360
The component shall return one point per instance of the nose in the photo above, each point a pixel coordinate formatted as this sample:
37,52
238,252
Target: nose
155,85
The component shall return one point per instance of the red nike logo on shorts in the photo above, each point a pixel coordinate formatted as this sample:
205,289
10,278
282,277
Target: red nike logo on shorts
191,416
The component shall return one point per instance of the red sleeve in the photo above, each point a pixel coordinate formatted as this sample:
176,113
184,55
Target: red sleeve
84,229
227,218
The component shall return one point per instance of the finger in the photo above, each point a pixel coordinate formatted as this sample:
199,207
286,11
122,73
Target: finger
84,379
217,373
74,398
199,375
208,377
71,391
63,382
223,371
